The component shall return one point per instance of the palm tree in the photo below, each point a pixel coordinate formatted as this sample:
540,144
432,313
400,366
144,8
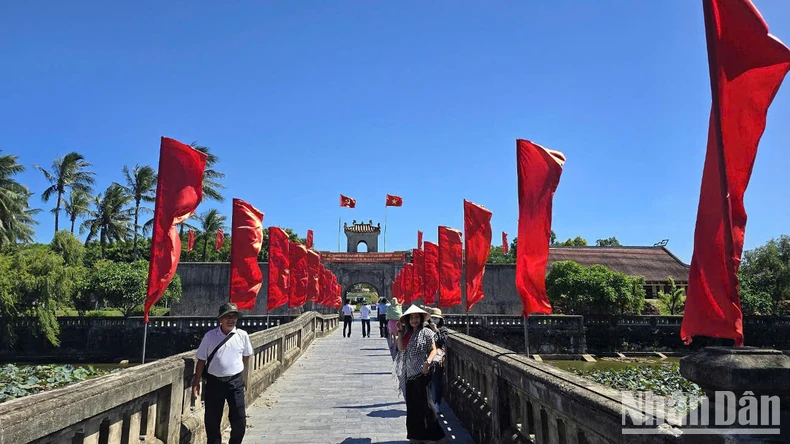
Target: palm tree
141,187
77,205
110,220
16,216
211,177
211,222
68,173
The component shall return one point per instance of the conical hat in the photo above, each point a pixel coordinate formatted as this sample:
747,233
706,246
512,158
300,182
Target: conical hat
413,309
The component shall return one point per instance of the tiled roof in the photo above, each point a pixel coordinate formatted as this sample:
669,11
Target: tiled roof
362,228
654,263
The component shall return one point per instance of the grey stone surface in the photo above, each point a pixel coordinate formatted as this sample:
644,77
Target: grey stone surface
340,391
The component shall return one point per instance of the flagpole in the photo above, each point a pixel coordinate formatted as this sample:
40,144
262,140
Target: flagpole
338,233
145,336
467,322
386,207
526,335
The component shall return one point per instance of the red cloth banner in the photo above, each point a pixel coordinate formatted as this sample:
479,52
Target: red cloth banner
419,274
431,276
299,274
309,241
190,240
747,66
539,171
505,246
246,239
338,298
419,240
394,201
313,273
279,276
450,264
408,283
477,227
324,296
220,239
179,190
346,201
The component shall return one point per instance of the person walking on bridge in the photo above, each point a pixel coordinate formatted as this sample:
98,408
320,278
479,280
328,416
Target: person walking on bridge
364,314
223,354
348,317
381,311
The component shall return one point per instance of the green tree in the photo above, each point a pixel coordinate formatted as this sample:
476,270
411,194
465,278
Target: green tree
17,221
263,256
211,222
123,285
552,238
765,272
68,173
76,206
672,302
110,219
211,177
610,242
574,289
578,241
68,247
141,187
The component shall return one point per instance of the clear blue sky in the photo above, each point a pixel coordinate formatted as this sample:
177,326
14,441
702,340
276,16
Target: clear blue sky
306,100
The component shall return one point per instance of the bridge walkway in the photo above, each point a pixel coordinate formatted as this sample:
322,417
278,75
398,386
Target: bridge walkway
340,391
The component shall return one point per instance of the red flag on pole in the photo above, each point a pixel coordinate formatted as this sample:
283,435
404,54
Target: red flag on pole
394,201
408,283
190,240
314,270
419,273
539,171
279,276
505,246
220,239
309,241
431,272
419,240
477,226
747,66
299,274
326,280
450,264
347,202
179,190
246,239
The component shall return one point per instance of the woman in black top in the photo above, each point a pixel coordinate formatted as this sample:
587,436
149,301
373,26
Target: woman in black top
437,325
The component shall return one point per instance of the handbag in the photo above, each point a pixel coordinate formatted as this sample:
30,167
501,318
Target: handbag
211,356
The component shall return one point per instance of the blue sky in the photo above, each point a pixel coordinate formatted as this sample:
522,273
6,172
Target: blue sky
306,100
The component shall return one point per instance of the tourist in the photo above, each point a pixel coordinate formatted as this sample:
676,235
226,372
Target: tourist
437,325
364,314
416,351
381,311
348,317
223,354
394,312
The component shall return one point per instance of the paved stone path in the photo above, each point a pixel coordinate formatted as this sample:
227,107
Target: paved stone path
340,391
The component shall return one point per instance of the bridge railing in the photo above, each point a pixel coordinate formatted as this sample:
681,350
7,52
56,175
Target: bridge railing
153,400
501,396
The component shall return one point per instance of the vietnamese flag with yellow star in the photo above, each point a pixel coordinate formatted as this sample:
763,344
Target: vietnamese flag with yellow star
394,201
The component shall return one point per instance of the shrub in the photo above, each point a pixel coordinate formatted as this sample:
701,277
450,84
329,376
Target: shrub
574,289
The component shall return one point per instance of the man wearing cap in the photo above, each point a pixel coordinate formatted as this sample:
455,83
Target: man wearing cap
227,350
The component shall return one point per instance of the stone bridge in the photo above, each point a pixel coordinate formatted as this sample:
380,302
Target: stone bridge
306,384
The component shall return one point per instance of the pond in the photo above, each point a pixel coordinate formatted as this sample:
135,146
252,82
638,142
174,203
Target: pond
612,363
23,379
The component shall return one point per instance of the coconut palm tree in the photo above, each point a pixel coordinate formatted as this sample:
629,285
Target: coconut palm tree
211,177
16,216
211,222
141,187
76,206
68,173
110,219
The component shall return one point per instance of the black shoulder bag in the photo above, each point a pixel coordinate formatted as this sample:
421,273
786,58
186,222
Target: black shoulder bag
211,356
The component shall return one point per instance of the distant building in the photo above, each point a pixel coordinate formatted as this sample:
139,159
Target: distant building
655,264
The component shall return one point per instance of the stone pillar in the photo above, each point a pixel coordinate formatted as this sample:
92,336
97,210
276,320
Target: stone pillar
745,387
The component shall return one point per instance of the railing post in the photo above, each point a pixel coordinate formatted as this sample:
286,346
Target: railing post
496,409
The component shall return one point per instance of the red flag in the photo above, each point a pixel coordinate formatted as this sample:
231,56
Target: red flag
408,284
450,264
314,270
246,239
220,238
190,240
324,296
347,202
747,66
419,240
477,226
394,201
505,245
299,274
309,242
419,272
539,171
279,276
179,190
431,272
338,299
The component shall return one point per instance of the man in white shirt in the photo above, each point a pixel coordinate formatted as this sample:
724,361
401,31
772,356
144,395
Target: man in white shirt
348,317
364,314
227,350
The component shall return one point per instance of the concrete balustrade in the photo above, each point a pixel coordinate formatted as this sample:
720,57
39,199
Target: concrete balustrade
150,403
